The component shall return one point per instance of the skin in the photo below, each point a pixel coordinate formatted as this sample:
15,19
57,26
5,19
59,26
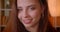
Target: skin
29,13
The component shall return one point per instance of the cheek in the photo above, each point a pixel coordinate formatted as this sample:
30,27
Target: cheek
19,16
36,16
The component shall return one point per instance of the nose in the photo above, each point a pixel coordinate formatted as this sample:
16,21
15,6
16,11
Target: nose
25,14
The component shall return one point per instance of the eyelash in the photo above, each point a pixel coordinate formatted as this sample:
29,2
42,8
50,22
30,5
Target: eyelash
32,8
19,10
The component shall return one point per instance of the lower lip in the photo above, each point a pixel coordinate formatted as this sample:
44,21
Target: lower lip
27,21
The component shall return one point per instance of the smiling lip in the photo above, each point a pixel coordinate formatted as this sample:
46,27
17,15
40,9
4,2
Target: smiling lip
27,21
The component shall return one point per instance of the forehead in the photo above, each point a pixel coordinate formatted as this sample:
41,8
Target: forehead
26,2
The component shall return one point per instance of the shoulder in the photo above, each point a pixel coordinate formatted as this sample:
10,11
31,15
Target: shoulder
50,28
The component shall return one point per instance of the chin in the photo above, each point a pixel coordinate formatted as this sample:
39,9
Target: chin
28,25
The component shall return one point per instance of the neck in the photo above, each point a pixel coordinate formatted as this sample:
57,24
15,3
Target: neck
33,28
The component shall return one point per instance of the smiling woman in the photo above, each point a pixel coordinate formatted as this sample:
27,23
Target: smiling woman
29,16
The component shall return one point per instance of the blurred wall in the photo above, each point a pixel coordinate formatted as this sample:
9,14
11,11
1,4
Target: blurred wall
54,10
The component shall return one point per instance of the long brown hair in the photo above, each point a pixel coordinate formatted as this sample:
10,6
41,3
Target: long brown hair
14,25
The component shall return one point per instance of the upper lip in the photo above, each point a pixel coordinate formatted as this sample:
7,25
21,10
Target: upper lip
26,19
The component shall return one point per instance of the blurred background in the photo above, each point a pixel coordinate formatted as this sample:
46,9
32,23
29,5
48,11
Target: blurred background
53,7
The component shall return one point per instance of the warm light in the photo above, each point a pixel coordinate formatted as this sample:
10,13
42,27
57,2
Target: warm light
54,7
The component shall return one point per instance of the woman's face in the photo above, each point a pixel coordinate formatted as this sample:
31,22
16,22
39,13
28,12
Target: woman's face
29,12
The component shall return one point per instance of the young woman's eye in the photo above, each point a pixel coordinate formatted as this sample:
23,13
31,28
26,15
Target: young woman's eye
32,8
19,10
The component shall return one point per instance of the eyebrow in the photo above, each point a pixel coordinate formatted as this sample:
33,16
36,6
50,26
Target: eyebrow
31,5
19,7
